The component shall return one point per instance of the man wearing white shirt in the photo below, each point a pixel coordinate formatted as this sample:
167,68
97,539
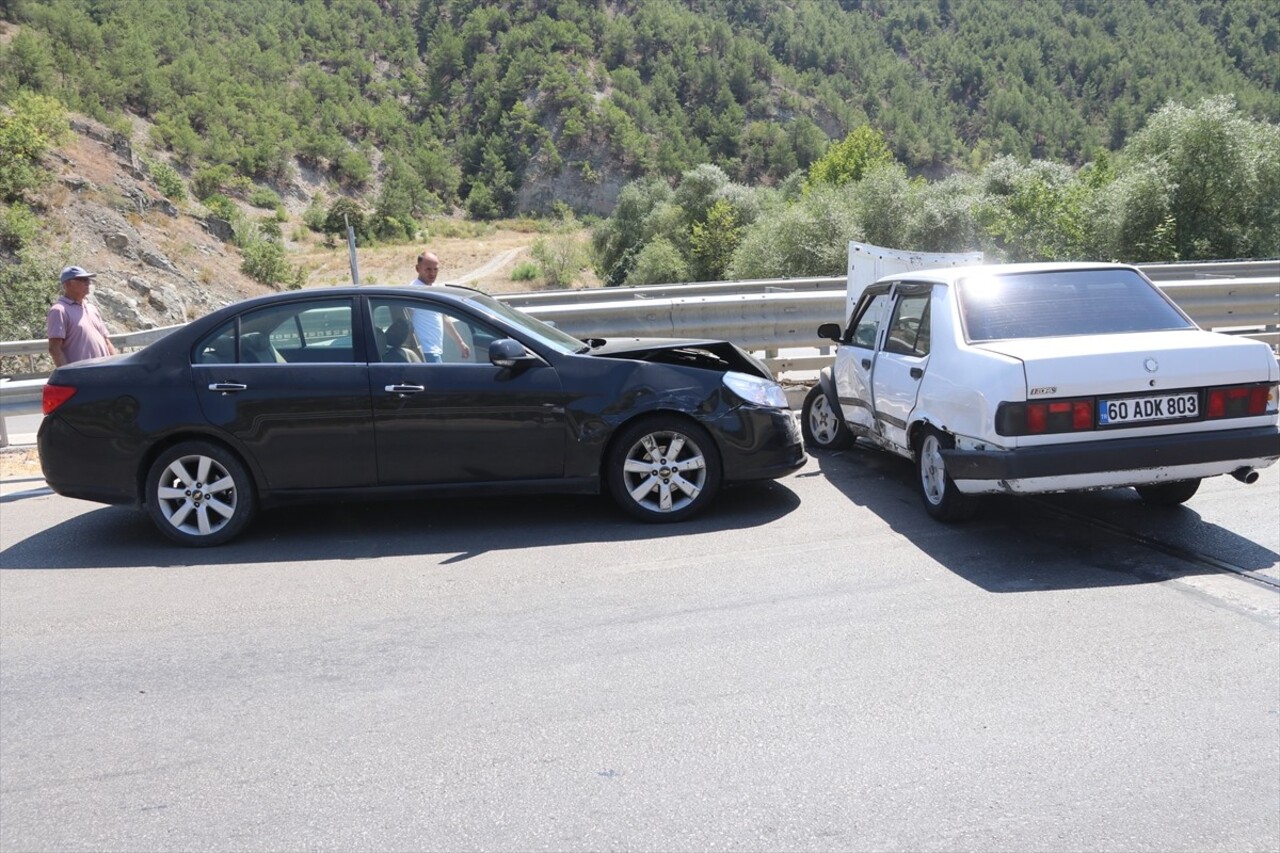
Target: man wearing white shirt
429,326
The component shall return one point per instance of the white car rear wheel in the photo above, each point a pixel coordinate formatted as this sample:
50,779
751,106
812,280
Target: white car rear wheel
1168,494
941,498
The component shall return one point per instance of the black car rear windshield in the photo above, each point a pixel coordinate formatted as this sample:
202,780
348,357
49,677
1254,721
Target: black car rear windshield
1064,302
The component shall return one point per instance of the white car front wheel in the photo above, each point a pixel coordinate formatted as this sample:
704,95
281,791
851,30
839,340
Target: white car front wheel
821,424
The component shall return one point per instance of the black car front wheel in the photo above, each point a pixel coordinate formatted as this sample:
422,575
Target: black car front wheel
663,468
199,494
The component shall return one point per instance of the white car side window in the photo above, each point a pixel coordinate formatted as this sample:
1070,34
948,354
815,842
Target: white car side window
909,333
865,326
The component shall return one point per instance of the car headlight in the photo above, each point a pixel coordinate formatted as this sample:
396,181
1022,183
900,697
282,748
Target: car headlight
753,389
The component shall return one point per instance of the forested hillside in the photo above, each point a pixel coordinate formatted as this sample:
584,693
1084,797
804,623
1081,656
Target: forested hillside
697,140
420,105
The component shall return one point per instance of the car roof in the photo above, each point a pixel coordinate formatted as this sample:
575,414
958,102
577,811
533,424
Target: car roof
950,275
451,292
456,290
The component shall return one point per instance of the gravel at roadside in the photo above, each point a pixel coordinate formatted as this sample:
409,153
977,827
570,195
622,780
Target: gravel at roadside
19,463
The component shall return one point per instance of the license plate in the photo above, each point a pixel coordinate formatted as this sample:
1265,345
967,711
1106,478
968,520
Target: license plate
1162,407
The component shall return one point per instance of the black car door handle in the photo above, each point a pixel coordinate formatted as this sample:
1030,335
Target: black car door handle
866,364
916,373
405,389
226,387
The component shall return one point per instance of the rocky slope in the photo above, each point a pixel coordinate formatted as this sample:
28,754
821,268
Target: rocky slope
158,263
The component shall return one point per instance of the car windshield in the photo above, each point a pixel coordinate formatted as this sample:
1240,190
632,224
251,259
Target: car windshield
545,334
1062,303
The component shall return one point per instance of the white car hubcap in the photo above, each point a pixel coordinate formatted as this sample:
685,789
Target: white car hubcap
822,420
933,472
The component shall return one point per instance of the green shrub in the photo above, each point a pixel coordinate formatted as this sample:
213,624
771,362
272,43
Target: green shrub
28,286
210,180
167,180
264,197
525,271
561,258
313,217
221,206
659,262
28,127
239,186
265,261
18,226
344,212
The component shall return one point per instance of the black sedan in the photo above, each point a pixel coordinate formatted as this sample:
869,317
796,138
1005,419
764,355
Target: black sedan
382,391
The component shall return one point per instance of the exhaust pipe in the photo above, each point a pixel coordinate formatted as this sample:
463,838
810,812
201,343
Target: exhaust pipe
1245,475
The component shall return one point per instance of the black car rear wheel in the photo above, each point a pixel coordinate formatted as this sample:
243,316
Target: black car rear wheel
663,468
199,494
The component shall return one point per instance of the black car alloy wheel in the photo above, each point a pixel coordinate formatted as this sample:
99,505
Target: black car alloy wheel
663,468
199,493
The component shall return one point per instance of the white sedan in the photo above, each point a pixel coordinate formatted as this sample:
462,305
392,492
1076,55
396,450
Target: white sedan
1034,378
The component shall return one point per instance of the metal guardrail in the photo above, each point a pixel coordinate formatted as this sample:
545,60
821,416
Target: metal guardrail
1156,272
770,315
669,291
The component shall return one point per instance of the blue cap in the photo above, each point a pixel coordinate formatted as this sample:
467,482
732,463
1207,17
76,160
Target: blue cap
74,272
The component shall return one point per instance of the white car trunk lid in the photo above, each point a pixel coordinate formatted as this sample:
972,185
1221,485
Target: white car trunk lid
1132,363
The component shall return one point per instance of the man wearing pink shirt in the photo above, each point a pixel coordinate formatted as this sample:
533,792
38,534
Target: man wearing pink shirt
75,327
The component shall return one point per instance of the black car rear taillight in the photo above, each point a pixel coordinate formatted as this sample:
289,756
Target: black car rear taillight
1043,417
1239,401
54,396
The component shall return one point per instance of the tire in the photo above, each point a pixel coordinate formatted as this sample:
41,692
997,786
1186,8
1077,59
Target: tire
200,494
937,491
663,469
821,424
1168,494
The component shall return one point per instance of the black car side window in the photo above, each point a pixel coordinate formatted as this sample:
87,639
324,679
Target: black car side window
311,332
412,331
219,347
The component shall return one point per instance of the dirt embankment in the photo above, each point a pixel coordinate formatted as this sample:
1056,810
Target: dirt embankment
161,262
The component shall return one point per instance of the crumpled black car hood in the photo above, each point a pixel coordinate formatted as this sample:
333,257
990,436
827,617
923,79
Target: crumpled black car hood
689,352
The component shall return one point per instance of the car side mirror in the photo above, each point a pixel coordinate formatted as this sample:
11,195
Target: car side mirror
830,331
506,352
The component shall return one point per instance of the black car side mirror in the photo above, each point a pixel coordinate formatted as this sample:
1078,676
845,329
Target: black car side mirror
831,331
506,352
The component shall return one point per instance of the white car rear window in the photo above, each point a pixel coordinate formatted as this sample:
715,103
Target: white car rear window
1063,303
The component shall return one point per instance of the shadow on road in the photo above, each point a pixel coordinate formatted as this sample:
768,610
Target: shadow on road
112,537
1018,544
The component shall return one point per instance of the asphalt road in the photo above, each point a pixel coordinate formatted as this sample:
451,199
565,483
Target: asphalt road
814,665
